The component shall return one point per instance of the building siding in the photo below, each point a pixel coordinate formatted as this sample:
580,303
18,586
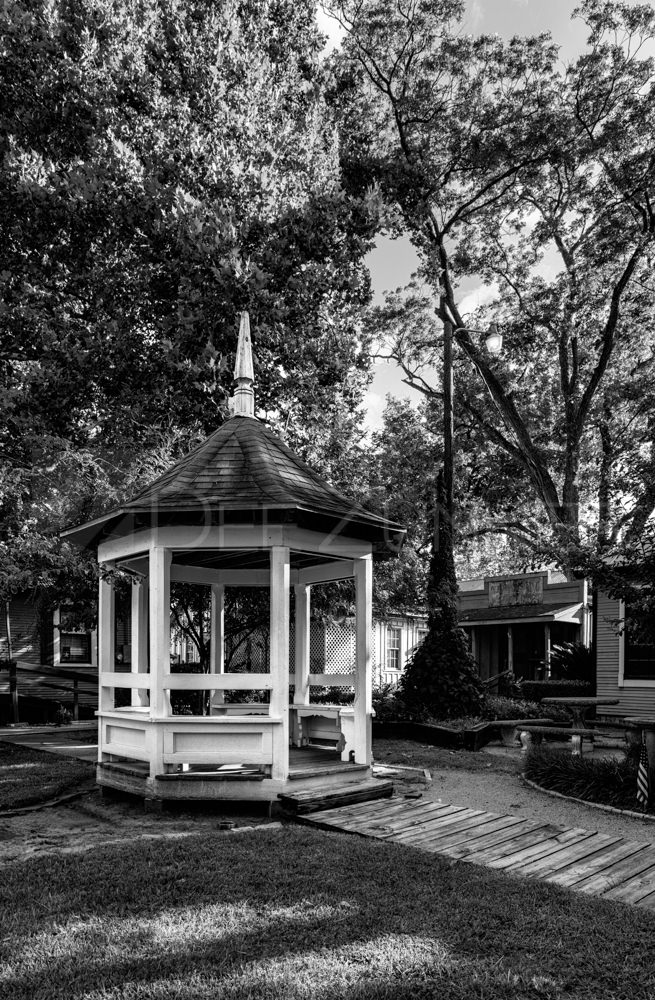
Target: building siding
632,700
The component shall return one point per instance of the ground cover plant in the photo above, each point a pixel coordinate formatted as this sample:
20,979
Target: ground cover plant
29,776
301,913
607,781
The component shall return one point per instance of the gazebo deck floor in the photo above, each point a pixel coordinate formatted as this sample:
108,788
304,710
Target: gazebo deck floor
304,762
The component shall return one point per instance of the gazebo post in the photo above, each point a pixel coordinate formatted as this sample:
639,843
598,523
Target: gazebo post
364,682
160,647
302,623
106,642
301,656
139,627
217,640
280,575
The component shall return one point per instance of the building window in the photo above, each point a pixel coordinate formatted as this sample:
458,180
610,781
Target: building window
75,647
638,655
393,648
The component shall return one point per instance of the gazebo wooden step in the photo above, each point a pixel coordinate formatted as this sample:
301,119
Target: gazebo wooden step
137,768
319,769
299,803
186,776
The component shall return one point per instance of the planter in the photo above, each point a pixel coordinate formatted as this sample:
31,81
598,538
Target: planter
423,732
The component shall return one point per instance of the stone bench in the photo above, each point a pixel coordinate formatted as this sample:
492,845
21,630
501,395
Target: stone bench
528,732
508,728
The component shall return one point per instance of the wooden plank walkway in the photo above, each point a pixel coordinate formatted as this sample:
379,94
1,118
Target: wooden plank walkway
582,860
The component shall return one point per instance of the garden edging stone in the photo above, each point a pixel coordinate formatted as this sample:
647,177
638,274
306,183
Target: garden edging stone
646,817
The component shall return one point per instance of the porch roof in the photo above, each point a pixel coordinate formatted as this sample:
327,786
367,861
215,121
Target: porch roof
523,613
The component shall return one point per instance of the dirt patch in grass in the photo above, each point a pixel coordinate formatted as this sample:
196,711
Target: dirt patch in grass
412,754
30,776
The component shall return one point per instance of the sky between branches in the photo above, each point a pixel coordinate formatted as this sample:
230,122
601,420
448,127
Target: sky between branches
393,262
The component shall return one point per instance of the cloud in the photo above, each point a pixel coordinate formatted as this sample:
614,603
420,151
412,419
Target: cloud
373,404
475,14
476,298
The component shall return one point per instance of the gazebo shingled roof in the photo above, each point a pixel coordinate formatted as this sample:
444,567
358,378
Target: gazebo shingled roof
243,467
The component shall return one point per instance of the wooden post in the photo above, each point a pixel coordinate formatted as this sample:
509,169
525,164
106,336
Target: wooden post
363,681
302,666
160,630
510,649
279,621
301,690
217,640
106,643
139,637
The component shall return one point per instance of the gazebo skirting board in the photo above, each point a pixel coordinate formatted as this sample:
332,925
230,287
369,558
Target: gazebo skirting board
224,757
310,769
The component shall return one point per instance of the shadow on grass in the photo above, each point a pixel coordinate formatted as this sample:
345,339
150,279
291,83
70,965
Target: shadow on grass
296,913
29,776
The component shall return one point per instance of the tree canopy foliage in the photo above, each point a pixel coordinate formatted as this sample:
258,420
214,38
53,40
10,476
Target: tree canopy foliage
537,182
164,165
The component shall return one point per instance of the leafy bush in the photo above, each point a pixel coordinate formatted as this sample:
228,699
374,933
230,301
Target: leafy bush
573,661
388,705
607,781
498,707
536,690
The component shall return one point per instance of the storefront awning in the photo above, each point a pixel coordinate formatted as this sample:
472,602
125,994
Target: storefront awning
523,614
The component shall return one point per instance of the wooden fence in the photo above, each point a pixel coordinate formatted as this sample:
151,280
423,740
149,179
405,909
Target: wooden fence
20,679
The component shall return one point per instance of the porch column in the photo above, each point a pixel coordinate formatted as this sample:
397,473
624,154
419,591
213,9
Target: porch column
301,695
217,639
363,679
547,649
106,647
160,628
510,649
279,629
139,636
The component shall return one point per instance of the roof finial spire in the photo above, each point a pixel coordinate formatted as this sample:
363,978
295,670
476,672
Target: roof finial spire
243,399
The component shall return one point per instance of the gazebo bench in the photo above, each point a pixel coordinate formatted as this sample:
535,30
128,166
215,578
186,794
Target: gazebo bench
508,728
577,735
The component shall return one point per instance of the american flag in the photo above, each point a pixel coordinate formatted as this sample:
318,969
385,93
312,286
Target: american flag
642,777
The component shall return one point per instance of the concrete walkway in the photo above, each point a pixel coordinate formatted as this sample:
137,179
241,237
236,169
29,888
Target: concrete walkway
78,740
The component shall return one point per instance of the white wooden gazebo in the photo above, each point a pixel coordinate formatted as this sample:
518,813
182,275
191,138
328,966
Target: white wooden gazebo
240,510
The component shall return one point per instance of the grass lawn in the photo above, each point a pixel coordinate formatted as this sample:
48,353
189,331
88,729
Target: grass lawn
293,912
28,776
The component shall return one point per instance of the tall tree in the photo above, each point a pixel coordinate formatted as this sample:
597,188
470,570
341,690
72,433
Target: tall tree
540,183
164,165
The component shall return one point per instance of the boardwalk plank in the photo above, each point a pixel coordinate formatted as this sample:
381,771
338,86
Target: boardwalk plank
620,874
424,816
461,835
432,827
575,873
565,856
522,839
507,828
360,810
633,891
384,821
540,849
